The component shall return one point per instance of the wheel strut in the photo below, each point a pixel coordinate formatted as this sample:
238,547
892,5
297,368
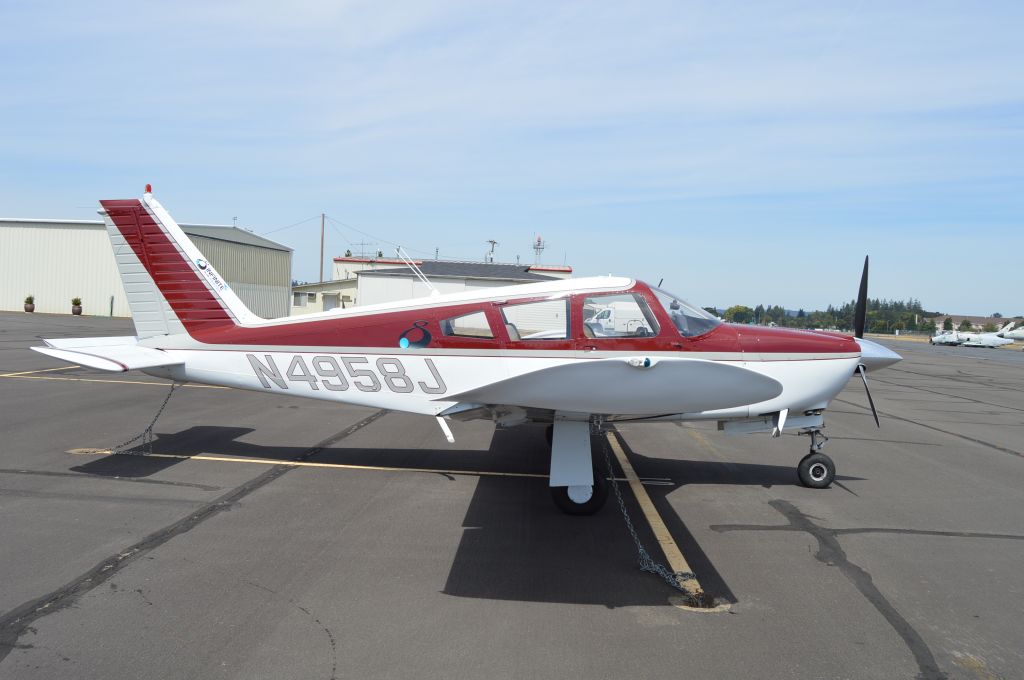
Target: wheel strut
816,470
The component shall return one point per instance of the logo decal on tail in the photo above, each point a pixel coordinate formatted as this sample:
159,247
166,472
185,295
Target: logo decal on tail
207,269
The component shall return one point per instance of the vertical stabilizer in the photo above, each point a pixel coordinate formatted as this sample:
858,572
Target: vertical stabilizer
171,288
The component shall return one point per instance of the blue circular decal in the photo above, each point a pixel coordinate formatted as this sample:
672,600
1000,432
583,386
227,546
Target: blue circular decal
417,336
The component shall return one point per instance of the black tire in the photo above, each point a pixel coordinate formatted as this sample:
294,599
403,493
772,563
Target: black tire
560,494
816,471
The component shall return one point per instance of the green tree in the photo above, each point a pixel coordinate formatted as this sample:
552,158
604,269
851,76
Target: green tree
928,326
739,314
947,325
989,328
965,326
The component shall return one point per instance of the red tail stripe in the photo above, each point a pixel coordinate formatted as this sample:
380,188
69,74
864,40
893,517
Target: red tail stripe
187,294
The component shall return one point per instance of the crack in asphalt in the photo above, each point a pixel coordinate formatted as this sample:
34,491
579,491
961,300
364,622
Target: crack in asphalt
832,554
948,396
973,440
19,620
132,480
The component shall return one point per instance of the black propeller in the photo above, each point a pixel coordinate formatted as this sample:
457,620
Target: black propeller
861,310
864,376
859,317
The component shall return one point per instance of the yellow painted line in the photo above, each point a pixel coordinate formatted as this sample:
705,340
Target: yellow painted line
340,466
98,380
676,562
44,370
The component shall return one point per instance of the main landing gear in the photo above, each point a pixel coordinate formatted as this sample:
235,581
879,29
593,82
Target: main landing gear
578,487
816,470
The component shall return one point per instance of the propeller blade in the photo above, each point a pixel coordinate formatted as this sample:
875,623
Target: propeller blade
860,312
864,377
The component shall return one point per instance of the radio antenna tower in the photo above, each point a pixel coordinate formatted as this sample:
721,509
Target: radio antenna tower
538,248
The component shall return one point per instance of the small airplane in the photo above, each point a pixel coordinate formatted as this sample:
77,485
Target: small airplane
513,355
1011,333
946,338
991,340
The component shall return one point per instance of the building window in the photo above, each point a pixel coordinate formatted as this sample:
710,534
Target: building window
544,320
299,299
473,325
618,316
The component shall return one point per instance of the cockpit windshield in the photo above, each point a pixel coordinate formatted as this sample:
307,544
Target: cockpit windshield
691,321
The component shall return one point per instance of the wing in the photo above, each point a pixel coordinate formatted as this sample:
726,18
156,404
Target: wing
634,386
107,354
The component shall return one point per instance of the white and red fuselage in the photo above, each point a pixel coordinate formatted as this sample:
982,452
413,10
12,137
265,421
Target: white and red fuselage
405,355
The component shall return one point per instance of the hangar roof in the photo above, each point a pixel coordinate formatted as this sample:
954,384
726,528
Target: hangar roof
213,231
476,270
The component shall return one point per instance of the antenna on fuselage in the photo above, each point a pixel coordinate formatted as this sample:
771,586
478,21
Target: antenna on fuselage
404,257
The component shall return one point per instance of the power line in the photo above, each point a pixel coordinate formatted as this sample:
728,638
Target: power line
379,239
308,219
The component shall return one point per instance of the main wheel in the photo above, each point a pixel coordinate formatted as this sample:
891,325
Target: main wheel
581,500
816,470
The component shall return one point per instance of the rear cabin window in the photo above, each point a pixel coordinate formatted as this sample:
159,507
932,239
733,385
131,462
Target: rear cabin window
618,316
473,325
544,320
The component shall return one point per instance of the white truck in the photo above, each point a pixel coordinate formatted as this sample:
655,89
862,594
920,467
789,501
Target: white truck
620,318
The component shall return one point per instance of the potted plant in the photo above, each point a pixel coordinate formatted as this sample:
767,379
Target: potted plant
76,306
30,303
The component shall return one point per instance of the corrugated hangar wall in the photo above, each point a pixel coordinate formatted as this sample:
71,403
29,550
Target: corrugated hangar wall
261,277
56,260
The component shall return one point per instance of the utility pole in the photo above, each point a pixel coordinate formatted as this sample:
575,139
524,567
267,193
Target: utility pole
322,247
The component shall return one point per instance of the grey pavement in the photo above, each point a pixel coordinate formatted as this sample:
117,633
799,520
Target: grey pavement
128,566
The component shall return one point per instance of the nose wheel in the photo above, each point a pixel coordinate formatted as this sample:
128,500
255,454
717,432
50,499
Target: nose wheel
816,470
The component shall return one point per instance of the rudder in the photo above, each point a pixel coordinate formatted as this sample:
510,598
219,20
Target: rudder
171,288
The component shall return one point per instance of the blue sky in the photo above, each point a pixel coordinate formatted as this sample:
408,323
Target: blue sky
745,152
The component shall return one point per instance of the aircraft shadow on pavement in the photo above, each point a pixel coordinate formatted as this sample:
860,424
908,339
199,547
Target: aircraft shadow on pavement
516,544
191,442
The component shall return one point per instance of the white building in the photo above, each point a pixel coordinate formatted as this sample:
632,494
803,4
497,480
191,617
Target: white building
368,281
56,260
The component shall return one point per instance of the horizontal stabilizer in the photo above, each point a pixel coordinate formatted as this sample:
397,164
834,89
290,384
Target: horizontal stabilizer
634,386
107,354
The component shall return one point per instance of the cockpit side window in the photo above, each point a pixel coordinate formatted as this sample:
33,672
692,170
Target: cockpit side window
690,321
623,315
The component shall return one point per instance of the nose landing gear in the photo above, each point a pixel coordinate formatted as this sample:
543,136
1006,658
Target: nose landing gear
816,470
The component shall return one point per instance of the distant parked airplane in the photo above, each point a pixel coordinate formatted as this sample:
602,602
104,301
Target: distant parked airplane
995,339
1011,333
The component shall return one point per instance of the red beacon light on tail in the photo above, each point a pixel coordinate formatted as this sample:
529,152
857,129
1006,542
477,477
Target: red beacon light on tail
149,188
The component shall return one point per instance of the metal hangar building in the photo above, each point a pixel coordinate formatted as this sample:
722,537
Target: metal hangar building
56,260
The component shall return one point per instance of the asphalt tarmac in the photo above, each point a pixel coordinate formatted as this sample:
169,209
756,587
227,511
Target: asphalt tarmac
198,563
